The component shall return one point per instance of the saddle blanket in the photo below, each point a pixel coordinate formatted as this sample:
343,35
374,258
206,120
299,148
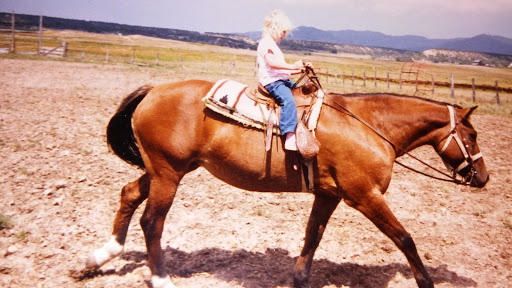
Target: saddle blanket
229,98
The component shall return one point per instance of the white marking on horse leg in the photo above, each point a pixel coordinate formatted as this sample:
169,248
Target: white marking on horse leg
161,282
109,251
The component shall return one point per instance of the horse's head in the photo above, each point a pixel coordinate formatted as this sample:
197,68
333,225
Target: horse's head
459,149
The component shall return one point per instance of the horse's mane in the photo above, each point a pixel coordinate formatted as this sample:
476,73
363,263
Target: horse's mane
364,95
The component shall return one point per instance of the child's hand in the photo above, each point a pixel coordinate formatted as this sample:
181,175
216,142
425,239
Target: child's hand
299,65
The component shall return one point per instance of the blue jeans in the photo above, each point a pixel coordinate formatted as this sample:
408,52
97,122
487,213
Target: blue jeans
282,93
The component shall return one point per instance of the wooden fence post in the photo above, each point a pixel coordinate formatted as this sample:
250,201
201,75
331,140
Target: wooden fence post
327,76
400,80
231,65
40,45
106,56
364,78
375,76
343,78
352,77
156,59
473,87
497,93
387,79
452,85
65,48
433,84
13,31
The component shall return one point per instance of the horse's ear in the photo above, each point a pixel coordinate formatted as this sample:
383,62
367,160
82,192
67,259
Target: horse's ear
469,111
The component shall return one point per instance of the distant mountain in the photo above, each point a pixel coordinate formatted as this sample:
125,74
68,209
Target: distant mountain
31,23
492,50
480,43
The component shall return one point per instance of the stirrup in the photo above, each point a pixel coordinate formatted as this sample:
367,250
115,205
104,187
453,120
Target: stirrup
290,142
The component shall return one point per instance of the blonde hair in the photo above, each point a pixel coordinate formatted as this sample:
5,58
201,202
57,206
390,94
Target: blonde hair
276,22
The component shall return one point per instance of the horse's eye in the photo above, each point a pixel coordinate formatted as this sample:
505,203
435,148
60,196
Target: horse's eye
472,136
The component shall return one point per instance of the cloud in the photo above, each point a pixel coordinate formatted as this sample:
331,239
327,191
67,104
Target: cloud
471,6
401,6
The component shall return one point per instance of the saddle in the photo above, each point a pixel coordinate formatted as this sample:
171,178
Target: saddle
258,109
307,144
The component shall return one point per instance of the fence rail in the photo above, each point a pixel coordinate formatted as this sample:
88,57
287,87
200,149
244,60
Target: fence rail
26,42
422,86
233,67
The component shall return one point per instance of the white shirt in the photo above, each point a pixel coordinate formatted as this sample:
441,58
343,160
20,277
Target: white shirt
267,75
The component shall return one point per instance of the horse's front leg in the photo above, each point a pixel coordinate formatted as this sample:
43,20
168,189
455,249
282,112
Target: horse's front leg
323,207
373,206
132,195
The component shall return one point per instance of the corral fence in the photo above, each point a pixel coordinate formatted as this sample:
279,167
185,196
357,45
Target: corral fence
417,78
421,79
60,50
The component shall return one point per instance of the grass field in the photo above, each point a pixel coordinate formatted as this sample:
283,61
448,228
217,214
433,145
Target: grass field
336,70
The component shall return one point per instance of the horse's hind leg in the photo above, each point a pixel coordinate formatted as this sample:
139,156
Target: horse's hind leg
160,198
132,195
323,207
375,208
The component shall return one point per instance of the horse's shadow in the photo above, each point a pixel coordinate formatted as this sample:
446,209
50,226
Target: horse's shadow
275,267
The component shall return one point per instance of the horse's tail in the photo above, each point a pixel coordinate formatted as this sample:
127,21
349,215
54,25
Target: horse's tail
120,137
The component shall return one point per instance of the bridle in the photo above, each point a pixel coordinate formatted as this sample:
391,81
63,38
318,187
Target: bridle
468,159
309,74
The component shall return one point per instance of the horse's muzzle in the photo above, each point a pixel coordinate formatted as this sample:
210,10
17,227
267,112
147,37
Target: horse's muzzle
479,182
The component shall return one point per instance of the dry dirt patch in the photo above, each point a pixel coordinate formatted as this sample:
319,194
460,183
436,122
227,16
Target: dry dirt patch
59,184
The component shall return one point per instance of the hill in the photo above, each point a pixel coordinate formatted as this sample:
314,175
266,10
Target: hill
31,22
492,50
480,43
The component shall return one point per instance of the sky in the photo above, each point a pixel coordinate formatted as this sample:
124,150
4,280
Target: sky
434,19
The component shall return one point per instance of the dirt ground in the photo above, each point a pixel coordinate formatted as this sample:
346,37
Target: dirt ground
60,186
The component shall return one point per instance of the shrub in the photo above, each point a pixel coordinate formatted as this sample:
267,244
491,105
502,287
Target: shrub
5,222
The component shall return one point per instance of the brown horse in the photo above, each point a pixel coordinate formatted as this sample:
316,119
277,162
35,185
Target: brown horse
167,131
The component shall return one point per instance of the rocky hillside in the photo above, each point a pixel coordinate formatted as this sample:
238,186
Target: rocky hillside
31,22
306,40
480,43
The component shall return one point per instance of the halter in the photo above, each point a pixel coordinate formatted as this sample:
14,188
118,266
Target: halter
468,159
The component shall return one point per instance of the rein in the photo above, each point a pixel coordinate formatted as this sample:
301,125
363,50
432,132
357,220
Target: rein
469,159
452,178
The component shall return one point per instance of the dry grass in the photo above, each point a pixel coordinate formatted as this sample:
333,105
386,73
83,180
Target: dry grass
336,70
5,221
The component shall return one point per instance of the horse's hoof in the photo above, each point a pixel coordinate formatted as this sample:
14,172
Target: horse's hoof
90,263
301,284
106,253
425,282
161,282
